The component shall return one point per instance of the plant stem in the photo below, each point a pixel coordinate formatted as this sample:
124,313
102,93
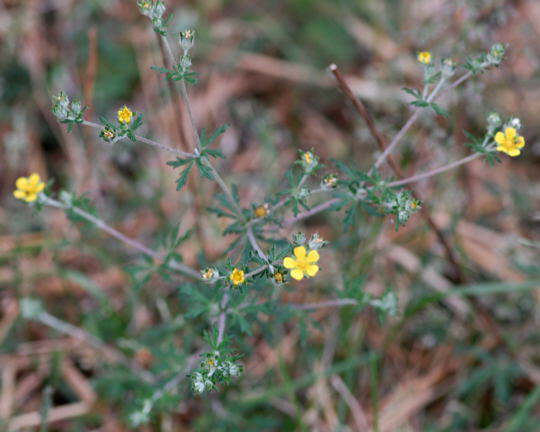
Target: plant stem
146,141
382,143
169,59
255,245
395,141
182,268
205,160
435,171
324,304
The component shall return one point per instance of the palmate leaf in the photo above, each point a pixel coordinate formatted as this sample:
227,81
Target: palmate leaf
204,170
182,180
206,141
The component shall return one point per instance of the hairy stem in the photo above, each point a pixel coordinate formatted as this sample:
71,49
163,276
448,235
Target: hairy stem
146,141
182,268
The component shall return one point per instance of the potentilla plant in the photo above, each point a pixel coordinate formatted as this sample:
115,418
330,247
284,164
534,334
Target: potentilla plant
229,293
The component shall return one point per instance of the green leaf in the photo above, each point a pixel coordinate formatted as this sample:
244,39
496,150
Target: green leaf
180,183
205,141
179,162
439,110
204,170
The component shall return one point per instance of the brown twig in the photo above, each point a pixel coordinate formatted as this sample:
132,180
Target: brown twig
382,143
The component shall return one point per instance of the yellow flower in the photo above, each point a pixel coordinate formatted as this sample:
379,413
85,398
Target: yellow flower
303,264
261,211
424,57
509,142
28,188
308,157
237,277
278,277
125,115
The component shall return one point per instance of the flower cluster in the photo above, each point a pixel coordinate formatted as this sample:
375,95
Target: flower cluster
186,40
155,9
330,181
402,205
493,57
215,368
309,161
182,70
67,111
127,123
28,188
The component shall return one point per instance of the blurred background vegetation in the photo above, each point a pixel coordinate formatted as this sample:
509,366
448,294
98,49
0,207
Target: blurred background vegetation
456,357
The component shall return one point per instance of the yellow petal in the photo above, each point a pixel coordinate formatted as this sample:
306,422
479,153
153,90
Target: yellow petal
520,143
19,194
289,263
40,187
312,270
510,133
313,256
21,183
33,180
297,274
499,138
32,197
513,152
300,252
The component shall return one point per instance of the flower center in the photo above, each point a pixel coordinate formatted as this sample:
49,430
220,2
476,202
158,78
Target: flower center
302,264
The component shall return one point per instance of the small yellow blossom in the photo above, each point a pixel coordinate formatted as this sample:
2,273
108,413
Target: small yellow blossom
424,57
261,211
308,157
28,188
125,115
278,277
237,277
303,264
509,142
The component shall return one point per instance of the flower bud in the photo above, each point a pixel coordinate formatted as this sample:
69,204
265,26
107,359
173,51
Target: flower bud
329,181
448,67
493,121
186,40
299,238
496,54
316,242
